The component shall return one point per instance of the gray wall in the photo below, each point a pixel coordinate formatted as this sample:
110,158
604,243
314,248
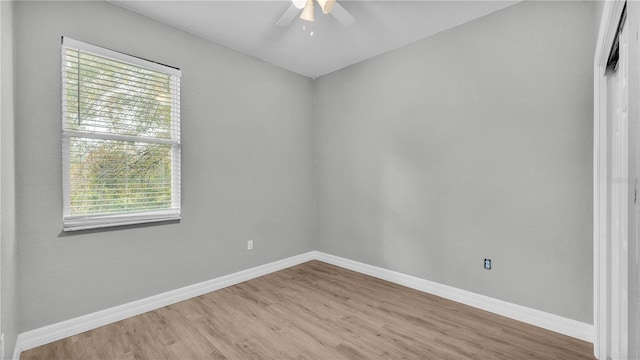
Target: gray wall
8,247
246,167
474,143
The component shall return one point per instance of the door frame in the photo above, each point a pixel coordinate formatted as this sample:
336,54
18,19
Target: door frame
603,277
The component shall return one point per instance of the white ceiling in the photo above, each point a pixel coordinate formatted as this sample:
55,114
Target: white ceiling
250,27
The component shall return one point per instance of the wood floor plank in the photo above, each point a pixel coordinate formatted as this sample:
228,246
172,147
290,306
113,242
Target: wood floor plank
316,311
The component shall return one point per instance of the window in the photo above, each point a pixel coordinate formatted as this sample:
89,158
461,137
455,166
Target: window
120,138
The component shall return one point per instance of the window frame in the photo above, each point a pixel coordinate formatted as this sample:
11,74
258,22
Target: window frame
84,222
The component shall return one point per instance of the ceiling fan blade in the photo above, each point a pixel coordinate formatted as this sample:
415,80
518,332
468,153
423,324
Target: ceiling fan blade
287,18
342,15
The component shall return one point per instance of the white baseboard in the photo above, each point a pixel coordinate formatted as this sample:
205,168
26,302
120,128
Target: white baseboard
44,335
16,349
559,324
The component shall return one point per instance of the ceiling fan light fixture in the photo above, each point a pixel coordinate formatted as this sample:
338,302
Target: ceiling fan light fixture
308,12
299,4
326,5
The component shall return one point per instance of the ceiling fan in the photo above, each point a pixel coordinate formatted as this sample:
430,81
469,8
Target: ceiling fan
308,9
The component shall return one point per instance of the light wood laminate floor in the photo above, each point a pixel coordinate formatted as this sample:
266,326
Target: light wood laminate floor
316,311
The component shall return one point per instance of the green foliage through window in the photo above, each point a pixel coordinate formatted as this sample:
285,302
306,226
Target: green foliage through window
119,176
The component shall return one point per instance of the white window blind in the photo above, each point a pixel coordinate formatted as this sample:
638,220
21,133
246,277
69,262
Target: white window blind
120,138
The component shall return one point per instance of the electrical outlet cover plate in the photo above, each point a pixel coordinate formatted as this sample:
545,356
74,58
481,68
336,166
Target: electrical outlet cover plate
487,264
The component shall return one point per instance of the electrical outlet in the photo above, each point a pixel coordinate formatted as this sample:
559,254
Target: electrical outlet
487,264
250,245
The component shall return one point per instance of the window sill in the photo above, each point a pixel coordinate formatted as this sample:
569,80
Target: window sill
95,222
